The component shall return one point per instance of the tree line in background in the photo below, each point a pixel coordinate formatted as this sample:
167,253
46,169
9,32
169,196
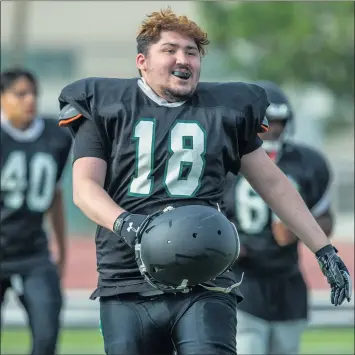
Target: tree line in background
295,43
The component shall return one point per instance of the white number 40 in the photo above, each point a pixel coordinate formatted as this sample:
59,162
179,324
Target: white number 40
35,186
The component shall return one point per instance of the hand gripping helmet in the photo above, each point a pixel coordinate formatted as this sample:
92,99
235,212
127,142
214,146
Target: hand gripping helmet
186,246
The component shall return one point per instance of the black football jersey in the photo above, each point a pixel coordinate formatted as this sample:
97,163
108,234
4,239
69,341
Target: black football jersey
32,163
161,154
309,172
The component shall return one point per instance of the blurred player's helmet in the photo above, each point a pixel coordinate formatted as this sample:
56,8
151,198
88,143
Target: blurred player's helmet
279,110
185,246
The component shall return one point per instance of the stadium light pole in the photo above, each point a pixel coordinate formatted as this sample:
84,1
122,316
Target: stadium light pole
18,37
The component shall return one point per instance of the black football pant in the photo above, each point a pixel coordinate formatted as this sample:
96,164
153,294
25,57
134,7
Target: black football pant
38,290
199,322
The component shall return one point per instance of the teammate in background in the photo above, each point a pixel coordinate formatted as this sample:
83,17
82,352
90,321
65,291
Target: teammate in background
273,315
33,155
166,140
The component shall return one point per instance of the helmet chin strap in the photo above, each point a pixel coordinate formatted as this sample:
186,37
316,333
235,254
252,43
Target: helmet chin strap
223,289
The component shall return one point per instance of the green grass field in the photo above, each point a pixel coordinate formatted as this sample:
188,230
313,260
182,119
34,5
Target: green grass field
327,341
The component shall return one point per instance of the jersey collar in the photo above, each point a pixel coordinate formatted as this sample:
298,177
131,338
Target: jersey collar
154,97
28,135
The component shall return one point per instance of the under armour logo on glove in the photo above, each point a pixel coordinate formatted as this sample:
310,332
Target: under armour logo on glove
124,226
131,228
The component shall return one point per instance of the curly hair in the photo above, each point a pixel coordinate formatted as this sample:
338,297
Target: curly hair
167,20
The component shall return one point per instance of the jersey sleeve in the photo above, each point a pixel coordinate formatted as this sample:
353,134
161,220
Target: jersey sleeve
253,123
79,101
71,118
79,104
88,142
252,145
76,104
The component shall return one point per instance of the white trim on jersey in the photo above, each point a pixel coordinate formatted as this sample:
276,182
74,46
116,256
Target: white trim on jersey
322,205
153,96
28,135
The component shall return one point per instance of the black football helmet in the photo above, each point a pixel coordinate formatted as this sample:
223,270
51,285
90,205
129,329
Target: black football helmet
186,246
279,109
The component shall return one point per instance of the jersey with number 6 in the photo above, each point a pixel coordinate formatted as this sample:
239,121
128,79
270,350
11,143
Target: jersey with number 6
309,172
160,154
32,163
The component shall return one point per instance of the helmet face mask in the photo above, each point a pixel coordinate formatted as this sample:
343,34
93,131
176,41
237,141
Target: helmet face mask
280,117
275,131
185,247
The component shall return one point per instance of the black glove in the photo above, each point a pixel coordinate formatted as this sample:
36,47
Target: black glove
336,273
126,226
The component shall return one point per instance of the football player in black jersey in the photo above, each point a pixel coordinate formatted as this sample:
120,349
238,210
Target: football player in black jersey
273,315
165,140
33,155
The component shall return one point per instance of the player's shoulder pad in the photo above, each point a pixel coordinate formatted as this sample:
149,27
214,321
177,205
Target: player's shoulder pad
93,88
68,115
232,94
312,158
74,102
91,95
241,96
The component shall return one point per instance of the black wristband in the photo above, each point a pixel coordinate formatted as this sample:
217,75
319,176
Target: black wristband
117,225
326,249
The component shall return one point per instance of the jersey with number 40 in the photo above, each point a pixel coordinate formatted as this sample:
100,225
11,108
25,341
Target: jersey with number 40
160,154
309,172
32,162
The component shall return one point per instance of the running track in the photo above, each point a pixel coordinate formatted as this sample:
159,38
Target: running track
81,264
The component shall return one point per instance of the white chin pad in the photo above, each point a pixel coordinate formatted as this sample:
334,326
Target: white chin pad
272,146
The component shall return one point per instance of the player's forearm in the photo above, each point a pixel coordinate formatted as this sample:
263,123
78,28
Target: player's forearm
96,204
57,221
284,236
279,193
282,197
